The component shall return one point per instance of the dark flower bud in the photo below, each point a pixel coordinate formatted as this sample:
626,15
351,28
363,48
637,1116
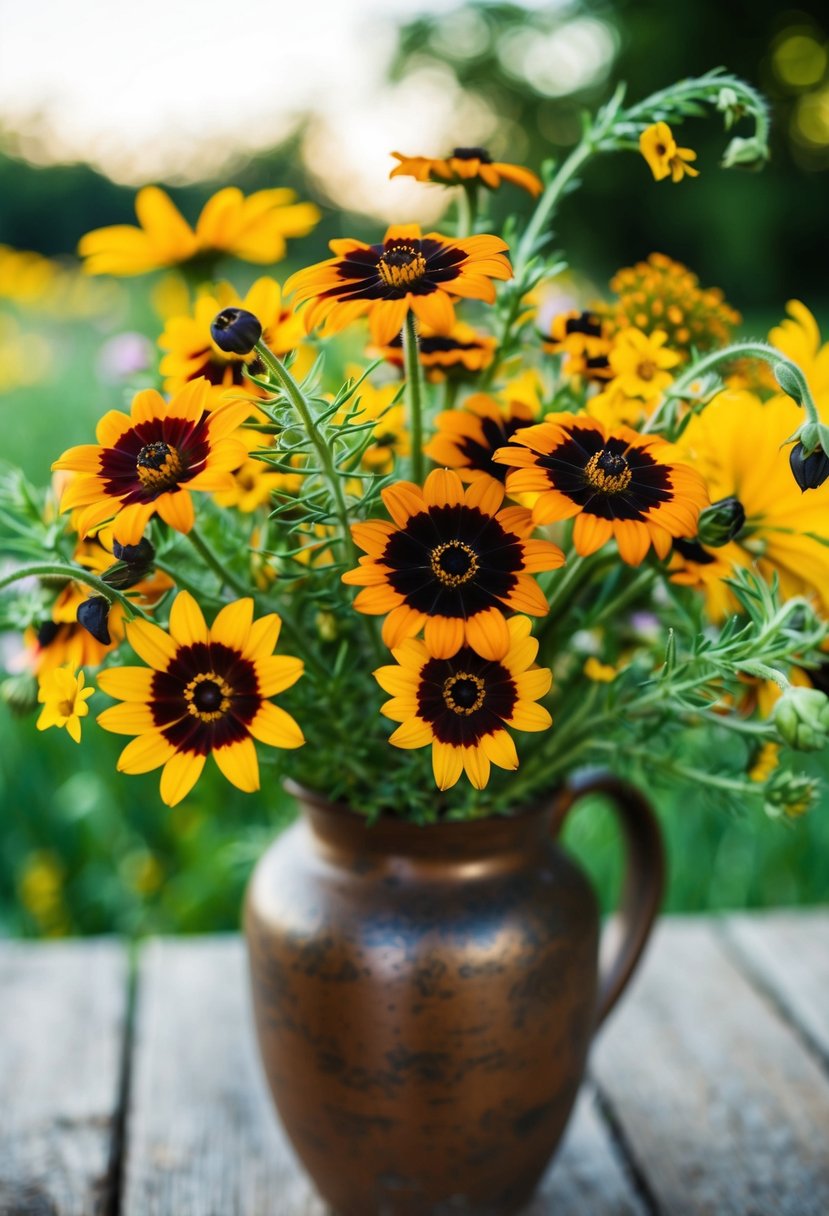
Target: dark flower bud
235,331
135,555
721,522
809,471
134,563
92,614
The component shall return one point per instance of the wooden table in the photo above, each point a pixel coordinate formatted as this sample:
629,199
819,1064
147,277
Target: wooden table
708,1092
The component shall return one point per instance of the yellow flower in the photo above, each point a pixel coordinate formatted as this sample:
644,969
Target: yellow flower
665,158
582,338
463,166
765,762
601,673
384,406
736,443
255,481
40,888
252,229
64,698
191,352
457,349
640,362
798,336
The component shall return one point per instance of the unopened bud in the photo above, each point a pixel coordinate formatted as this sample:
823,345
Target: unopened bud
722,522
93,614
802,719
808,471
789,381
789,794
235,331
748,154
134,564
19,692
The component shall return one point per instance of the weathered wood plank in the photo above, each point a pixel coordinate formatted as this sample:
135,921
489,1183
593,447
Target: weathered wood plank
788,953
63,1009
203,1139
724,1110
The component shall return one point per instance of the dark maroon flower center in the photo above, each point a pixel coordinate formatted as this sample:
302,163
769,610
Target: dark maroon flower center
480,154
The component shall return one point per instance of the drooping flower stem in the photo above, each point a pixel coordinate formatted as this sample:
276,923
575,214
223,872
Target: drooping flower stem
56,570
303,409
414,395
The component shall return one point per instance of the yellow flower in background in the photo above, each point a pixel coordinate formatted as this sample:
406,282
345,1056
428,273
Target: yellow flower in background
798,336
40,888
205,691
191,351
25,358
457,349
407,272
255,481
64,698
600,673
466,439
662,294
464,166
581,337
252,228
640,363
384,406
664,157
737,444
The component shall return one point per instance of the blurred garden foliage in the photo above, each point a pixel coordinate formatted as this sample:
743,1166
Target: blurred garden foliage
83,850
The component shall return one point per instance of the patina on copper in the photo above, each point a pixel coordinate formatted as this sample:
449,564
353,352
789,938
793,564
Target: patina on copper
425,997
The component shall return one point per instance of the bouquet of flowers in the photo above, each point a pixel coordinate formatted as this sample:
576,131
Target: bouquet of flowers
432,568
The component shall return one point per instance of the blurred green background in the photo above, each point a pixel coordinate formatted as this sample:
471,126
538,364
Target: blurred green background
85,851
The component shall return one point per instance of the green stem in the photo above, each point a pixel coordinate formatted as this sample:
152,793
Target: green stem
737,350
466,203
297,399
414,394
78,575
225,576
547,203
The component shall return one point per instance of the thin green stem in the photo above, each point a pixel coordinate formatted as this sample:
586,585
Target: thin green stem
414,385
547,204
466,203
76,574
297,399
226,577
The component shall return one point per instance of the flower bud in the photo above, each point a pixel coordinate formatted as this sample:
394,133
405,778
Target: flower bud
326,624
140,554
235,331
93,614
789,794
748,154
134,563
802,719
789,382
19,693
808,471
721,522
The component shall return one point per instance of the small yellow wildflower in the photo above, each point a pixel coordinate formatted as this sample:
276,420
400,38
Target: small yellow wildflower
64,698
601,673
664,157
640,362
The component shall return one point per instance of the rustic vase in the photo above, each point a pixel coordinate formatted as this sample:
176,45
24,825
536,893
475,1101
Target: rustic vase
425,997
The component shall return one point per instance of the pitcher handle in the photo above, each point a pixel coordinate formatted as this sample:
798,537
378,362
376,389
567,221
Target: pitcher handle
644,879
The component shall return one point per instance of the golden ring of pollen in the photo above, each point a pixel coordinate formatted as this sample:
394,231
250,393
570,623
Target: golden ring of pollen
158,466
402,265
208,696
454,563
608,472
463,693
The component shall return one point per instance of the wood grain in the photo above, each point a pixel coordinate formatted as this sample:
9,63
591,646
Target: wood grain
202,1138
788,953
722,1107
62,1025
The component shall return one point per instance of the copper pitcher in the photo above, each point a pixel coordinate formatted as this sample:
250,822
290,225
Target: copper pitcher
425,997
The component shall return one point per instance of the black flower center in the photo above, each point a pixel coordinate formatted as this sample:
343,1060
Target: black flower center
480,154
401,265
159,466
208,696
608,472
454,563
464,693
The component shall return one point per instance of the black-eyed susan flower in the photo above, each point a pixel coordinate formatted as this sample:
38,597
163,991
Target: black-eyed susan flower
467,438
64,699
662,294
407,271
253,229
465,166
460,349
640,363
205,692
782,529
452,562
149,461
582,338
615,483
461,703
191,352
665,158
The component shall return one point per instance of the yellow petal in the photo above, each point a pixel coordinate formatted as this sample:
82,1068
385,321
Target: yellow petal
233,624
447,764
126,683
488,635
412,734
145,753
127,719
276,673
239,764
477,766
276,728
186,621
263,636
151,644
181,772
176,510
